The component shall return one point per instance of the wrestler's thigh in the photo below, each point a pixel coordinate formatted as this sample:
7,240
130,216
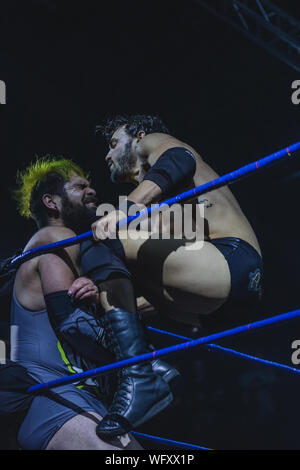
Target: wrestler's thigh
79,433
194,275
65,419
198,269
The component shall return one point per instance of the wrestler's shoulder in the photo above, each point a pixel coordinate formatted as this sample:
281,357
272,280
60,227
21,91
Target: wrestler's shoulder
156,140
157,143
49,235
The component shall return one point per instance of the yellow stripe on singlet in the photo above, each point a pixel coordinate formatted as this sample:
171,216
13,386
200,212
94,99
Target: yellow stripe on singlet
67,362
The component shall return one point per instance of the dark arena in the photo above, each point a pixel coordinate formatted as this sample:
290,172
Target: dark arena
149,280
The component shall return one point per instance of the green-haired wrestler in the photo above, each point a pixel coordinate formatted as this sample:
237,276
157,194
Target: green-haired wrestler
52,335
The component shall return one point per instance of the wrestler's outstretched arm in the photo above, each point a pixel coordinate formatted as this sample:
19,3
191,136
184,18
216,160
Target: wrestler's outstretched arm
170,171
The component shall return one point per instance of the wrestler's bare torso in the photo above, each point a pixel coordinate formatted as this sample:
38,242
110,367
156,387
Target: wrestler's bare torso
223,215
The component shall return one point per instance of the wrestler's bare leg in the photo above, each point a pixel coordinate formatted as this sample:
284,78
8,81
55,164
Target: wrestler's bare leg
188,278
79,433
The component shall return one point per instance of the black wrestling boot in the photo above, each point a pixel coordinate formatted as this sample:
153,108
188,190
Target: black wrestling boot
165,370
170,375
141,393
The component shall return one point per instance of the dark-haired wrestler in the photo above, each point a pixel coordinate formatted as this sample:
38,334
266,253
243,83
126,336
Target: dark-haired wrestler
189,280
52,336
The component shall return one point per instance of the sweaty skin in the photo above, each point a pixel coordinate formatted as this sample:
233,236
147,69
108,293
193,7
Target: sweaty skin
182,283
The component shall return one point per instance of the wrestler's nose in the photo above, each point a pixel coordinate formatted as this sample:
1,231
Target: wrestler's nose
108,158
91,192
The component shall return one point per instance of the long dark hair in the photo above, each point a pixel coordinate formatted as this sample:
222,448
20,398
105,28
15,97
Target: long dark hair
133,124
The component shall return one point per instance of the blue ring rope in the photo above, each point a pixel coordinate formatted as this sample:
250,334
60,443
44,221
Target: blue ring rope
218,182
165,351
162,440
232,352
192,193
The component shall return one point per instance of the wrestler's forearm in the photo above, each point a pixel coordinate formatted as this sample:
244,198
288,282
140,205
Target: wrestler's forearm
70,323
75,325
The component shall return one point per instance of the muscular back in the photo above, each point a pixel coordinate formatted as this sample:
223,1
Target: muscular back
223,215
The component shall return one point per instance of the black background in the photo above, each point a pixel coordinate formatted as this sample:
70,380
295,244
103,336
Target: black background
67,65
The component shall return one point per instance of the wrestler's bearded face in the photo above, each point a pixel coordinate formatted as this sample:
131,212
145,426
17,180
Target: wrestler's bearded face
78,207
121,158
122,164
77,217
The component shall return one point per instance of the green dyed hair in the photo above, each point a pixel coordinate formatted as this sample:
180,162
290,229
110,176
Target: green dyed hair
46,175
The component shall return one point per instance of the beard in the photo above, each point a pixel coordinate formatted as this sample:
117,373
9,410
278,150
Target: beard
77,217
123,166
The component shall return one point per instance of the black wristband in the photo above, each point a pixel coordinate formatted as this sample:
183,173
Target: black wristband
59,306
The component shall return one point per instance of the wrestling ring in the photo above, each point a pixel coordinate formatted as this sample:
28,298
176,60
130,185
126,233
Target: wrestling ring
206,342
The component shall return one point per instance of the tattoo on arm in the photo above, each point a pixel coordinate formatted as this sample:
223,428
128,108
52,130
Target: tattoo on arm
205,201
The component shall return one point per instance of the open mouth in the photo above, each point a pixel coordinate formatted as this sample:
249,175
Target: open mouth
91,203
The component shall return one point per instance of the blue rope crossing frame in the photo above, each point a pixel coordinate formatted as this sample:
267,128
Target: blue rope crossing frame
226,179
233,352
165,351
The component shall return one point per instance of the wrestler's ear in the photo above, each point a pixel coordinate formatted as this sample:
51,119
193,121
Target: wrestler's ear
51,201
140,135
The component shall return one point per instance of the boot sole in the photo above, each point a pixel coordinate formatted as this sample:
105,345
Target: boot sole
157,408
170,375
177,389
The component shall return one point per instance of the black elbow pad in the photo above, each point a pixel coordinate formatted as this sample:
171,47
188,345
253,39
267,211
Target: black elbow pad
173,170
